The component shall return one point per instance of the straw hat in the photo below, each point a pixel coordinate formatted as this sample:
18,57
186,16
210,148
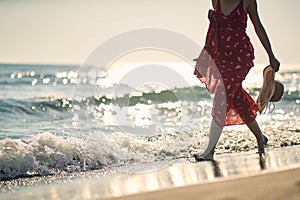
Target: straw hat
278,93
271,91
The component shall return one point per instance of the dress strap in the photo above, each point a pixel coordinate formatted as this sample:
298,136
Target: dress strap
218,6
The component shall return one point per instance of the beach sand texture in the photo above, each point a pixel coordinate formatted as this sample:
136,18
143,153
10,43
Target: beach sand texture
283,184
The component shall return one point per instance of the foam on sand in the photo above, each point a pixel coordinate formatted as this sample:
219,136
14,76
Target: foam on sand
233,176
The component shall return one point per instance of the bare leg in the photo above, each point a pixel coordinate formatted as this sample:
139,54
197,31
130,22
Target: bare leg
254,128
214,135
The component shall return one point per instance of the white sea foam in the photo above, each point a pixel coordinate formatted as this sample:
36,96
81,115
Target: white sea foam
47,153
16,159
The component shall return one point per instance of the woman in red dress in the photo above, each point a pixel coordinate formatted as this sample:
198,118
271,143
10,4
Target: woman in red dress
224,63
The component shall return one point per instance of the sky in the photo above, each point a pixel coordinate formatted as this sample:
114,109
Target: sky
67,31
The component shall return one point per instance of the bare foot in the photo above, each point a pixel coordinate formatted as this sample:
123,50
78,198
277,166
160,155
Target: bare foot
201,158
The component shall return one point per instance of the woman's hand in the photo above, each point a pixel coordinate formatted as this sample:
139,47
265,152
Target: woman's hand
274,63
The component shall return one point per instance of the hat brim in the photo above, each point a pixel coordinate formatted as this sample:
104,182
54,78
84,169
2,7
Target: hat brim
278,93
268,88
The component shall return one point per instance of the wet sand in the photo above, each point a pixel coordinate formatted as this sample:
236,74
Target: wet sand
232,176
282,184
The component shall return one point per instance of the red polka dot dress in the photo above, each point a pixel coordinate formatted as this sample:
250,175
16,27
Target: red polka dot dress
224,63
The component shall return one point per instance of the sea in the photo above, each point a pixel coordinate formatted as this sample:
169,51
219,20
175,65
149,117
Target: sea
68,118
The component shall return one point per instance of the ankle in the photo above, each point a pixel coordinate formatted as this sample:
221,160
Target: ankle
261,148
200,158
265,140
208,156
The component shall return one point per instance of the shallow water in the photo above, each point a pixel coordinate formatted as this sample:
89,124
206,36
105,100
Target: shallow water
58,119
126,180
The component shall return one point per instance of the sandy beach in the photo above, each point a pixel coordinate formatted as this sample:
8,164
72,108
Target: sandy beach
282,184
101,100
277,178
243,175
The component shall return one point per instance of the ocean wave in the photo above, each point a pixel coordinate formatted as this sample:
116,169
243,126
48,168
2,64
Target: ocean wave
31,106
49,154
48,104
46,153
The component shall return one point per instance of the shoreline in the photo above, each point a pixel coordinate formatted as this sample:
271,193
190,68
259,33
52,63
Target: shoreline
234,176
268,185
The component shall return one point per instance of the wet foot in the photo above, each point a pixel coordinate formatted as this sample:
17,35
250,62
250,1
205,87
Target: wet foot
265,139
200,158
